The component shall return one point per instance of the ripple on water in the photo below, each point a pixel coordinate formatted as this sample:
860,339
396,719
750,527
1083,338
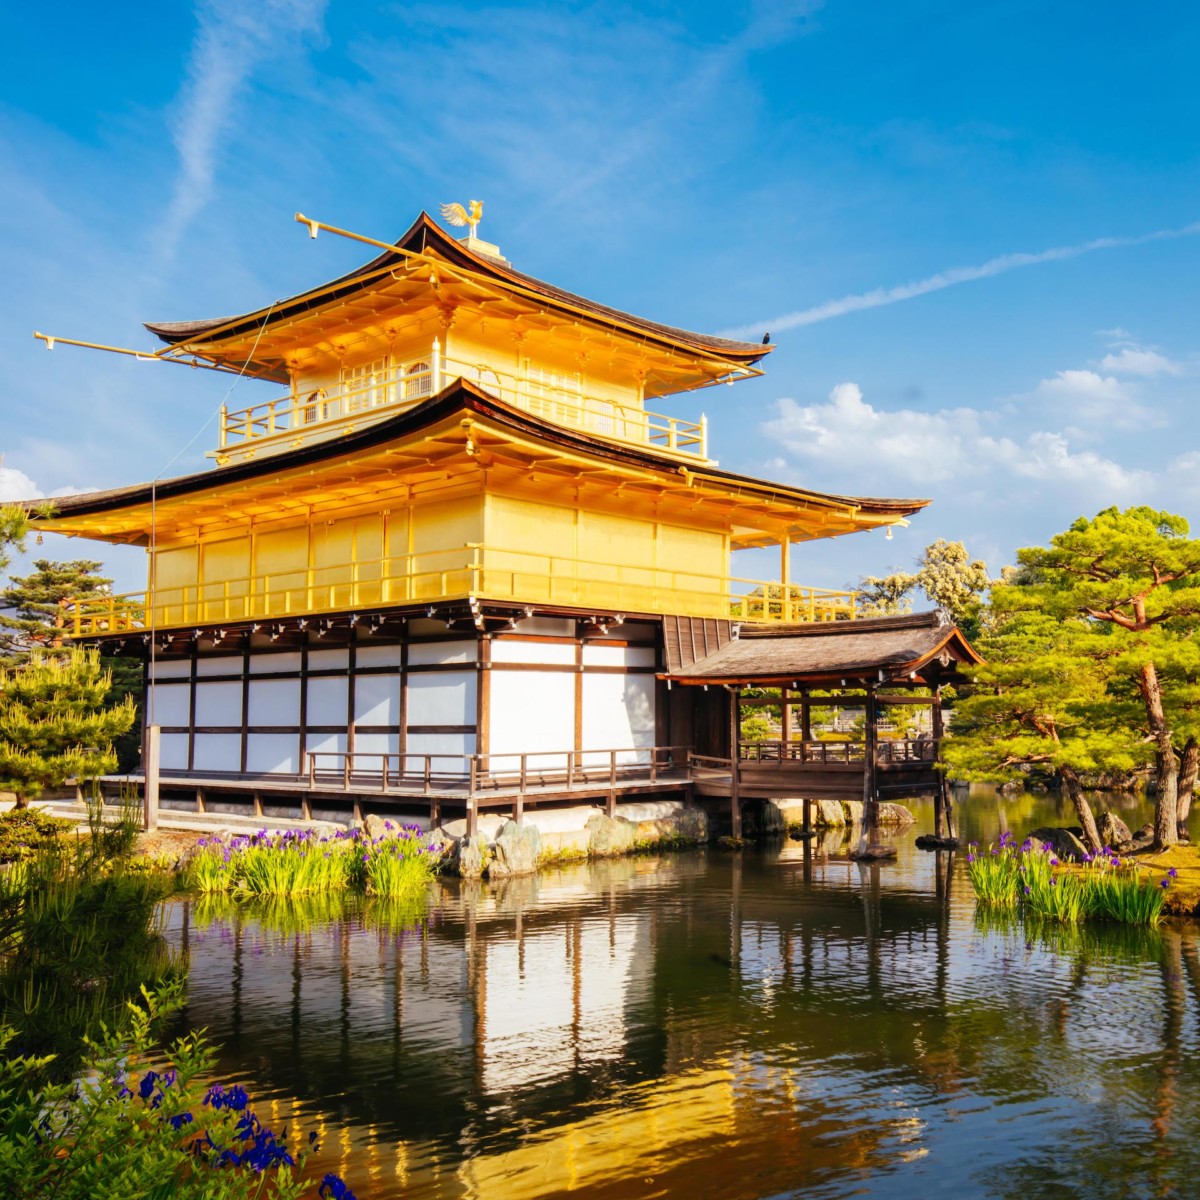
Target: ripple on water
772,1023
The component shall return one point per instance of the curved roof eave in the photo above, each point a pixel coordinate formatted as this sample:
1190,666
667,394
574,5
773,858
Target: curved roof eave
420,235
460,395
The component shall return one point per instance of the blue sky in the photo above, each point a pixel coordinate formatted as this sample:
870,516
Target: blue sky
971,228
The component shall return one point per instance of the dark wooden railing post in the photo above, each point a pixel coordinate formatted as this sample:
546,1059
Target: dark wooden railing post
346,763
735,734
612,783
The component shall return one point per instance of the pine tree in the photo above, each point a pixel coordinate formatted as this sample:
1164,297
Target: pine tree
1112,603
14,525
947,575
1136,573
1043,697
34,602
54,723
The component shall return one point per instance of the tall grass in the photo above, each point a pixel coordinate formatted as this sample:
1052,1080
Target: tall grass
1028,878
299,863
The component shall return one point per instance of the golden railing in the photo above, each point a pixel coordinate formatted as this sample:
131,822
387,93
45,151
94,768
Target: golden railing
549,397
485,572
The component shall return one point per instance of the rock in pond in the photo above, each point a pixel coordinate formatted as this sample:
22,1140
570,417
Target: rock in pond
1062,841
517,849
610,835
1113,831
874,852
894,814
828,814
473,856
930,841
853,810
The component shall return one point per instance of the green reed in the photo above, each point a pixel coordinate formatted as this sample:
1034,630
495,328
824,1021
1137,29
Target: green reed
1029,879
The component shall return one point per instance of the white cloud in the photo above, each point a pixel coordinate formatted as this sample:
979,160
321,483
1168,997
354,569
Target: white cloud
906,448
1093,404
16,485
233,38
1139,360
880,297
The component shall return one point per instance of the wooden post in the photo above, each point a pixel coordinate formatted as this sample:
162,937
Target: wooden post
805,718
785,721
735,735
870,768
785,578
939,795
150,789
611,806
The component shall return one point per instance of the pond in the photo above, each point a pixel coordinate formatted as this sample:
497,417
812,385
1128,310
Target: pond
764,1024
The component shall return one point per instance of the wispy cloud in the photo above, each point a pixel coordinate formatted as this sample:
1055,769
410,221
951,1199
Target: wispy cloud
880,297
233,38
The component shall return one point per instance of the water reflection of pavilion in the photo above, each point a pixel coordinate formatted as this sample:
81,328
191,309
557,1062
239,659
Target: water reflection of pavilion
646,1018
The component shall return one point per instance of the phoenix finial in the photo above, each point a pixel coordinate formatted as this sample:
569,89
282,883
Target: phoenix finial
457,215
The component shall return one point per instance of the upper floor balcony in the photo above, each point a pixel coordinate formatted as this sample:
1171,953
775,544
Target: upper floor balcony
387,387
485,572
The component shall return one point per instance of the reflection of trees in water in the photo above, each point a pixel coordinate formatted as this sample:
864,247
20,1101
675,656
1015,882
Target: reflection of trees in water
716,961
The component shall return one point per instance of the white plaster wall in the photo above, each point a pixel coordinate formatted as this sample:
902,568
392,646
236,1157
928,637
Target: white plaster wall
226,664
378,656
269,753
327,701
509,650
453,745
218,752
275,664
424,654
376,743
328,660
169,703
173,751
326,743
597,654
531,711
173,669
618,712
377,700
442,698
274,702
218,704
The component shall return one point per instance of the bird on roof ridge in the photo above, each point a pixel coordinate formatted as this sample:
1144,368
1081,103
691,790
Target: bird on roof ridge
455,214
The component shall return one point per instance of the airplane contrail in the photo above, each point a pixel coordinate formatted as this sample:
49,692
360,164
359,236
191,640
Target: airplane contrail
880,297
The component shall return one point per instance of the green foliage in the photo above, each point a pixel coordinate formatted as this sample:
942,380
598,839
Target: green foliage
54,723
132,1125
1092,659
24,831
81,935
14,525
34,602
1026,879
757,727
299,863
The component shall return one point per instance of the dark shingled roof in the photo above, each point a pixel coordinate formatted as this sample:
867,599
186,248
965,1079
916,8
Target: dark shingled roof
827,651
423,235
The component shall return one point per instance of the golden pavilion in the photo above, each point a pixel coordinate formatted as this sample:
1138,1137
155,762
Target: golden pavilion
460,549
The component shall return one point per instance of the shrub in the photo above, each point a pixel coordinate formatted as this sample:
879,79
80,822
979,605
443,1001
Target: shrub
23,831
133,1125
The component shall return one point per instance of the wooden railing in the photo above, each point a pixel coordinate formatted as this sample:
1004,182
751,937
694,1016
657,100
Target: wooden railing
906,750
428,774
552,397
485,572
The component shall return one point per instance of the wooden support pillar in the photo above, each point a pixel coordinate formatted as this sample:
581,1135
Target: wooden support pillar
871,767
472,817
940,795
807,817
199,800
735,738
785,578
258,807
805,716
150,790
305,807
785,720
519,808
